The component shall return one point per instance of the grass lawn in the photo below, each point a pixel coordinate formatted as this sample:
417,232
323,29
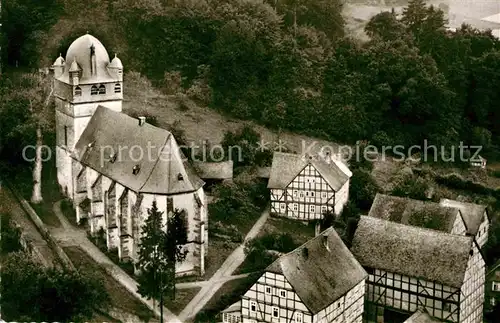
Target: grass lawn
120,297
300,232
182,298
227,295
218,251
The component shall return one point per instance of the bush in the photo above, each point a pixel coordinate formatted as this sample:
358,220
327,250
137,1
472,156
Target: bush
11,235
412,187
363,189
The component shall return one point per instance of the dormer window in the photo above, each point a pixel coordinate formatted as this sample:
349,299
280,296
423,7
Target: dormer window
78,91
136,169
102,89
90,144
94,90
118,88
180,177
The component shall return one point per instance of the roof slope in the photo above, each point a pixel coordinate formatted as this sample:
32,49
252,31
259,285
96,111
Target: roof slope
286,167
421,316
320,275
471,213
163,169
413,212
412,251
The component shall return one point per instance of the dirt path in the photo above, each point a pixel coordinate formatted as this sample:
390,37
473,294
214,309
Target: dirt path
9,204
225,271
68,235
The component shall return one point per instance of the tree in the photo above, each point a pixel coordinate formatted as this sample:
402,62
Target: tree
386,26
159,251
52,295
153,258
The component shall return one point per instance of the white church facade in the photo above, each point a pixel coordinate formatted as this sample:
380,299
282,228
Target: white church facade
113,166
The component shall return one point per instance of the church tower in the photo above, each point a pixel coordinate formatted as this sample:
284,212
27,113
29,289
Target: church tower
84,80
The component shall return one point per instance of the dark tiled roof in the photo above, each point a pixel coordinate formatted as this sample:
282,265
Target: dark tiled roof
412,251
163,169
472,213
286,167
319,275
220,170
413,212
421,316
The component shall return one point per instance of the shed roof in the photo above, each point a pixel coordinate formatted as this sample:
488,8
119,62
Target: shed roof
472,214
286,167
220,170
428,215
162,168
412,251
320,271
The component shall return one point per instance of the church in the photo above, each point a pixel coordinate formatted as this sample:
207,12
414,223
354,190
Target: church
113,166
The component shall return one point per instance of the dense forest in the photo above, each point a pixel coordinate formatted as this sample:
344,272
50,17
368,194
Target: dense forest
288,64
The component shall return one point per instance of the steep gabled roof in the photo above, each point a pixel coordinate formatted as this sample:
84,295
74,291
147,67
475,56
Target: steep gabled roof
472,213
162,169
286,167
414,212
320,271
412,251
421,316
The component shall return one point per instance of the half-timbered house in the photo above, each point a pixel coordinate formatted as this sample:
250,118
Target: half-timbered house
320,281
428,215
412,267
475,217
305,187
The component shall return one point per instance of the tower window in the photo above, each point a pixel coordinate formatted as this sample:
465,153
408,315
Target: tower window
94,90
118,88
78,91
66,136
102,89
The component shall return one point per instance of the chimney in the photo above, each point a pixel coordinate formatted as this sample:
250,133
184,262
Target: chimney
142,120
324,238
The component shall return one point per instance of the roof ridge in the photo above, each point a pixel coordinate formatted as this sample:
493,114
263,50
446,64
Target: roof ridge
418,228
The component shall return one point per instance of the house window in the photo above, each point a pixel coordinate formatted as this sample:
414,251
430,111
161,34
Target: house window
298,317
282,293
301,195
312,194
312,208
493,301
446,307
323,209
295,207
295,193
94,90
495,286
276,312
78,91
323,195
102,89
268,290
307,193
282,206
253,307
118,88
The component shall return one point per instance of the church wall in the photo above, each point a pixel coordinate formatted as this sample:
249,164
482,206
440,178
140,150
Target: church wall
64,170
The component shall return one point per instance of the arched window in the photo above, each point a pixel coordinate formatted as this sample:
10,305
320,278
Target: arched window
102,89
78,91
94,90
118,88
